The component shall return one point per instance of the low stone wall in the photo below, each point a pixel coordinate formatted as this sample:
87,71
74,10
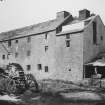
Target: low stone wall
60,85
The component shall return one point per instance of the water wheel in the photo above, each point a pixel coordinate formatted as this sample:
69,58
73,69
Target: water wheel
16,81
31,82
10,86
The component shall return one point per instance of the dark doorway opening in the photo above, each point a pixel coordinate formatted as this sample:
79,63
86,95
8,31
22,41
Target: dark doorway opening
89,71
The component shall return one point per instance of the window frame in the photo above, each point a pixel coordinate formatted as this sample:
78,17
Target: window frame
29,39
16,41
28,67
46,69
46,48
3,57
67,43
39,66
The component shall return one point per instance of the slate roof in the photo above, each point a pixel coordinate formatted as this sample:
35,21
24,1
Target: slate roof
33,29
36,28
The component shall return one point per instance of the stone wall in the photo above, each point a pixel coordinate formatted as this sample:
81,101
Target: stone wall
69,60
92,50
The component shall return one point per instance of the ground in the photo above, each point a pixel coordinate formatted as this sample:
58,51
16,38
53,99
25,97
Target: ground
49,99
59,93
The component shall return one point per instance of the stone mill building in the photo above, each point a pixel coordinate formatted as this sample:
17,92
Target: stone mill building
56,49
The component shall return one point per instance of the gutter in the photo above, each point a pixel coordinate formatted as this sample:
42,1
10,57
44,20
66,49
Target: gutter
70,32
25,36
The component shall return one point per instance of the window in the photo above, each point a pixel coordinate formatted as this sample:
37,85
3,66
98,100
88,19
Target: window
8,55
28,39
94,33
46,68
39,67
46,35
59,29
9,43
46,48
67,40
16,41
28,53
90,71
67,43
69,69
67,36
16,54
28,67
3,56
101,37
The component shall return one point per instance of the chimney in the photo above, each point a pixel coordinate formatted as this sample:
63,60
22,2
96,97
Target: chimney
83,14
61,15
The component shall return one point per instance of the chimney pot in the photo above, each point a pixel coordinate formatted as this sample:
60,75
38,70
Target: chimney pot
63,14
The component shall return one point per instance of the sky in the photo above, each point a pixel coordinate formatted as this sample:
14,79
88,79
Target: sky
20,13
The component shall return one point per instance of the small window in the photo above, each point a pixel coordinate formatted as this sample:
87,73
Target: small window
39,67
16,54
28,39
67,36
46,48
69,69
3,56
8,55
67,43
9,43
16,41
46,68
28,67
28,53
59,29
46,35
101,37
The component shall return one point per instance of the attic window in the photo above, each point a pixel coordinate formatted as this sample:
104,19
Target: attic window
59,29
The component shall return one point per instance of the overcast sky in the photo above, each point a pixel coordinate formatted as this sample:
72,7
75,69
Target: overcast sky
19,13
